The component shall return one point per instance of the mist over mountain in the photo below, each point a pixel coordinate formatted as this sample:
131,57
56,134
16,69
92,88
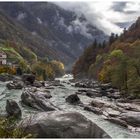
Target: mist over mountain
106,15
63,31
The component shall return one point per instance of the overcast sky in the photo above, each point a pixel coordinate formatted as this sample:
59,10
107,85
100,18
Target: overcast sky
106,14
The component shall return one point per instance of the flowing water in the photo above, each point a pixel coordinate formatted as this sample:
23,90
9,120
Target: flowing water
58,98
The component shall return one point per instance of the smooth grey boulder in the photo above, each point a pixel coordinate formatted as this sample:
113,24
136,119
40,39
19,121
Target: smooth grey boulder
13,109
131,117
15,85
37,100
59,124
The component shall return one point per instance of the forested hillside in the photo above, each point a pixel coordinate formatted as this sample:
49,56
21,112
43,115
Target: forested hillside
117,61
25,50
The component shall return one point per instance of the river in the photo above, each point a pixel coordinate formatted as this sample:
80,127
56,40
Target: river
58,99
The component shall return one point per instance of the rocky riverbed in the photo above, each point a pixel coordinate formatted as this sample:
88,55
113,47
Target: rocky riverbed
99,107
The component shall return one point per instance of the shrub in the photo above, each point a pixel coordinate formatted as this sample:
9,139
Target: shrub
8,130
58,68
8,69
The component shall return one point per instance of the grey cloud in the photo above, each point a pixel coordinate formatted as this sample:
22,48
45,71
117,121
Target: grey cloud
104,16
119,6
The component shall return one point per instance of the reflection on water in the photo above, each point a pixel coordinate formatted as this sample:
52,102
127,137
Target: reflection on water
58,98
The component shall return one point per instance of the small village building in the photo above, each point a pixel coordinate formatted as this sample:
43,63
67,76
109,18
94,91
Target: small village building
3,58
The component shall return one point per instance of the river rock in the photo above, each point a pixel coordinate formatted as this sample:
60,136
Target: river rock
59,124
43,93
82,90
86,83
114,95
73,99
111,90
79,85
28,78
105,86
136,101
55,83
122,100
103,92
6,77
112,113
13,108
129,106
15,85
93,94
117,121
131,117
93,109
37,100
97,103
37,84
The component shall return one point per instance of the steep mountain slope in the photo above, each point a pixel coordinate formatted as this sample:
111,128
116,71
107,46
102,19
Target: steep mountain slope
30,53
11,30
63,31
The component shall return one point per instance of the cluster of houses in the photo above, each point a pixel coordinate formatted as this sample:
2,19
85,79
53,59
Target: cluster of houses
3,58
5,61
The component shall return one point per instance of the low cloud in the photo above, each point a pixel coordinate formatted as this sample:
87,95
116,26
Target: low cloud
21,16
105,15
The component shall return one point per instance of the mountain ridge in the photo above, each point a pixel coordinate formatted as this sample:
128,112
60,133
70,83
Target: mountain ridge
51,23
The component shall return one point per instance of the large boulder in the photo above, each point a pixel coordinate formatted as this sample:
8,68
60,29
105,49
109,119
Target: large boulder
37,100
13,109
28,78
73,99
15,85
132,118
59,124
